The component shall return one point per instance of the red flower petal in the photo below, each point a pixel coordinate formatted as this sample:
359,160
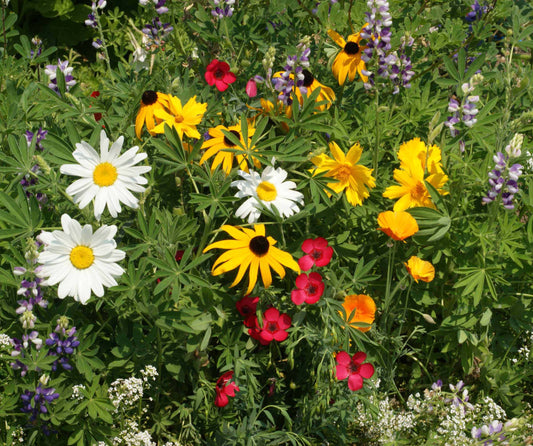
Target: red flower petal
343,358
209,77
298,297
320,243
315,277
265,337
308,245
366,370
355,382
280,335
327,253
342,372
212,65
359,357
271,315
306,262
221,399
302,280
222,66
221,85
229,77
284,321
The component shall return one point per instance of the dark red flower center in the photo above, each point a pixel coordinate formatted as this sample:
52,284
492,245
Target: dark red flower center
316,255
353,367
308,78
272,326
246,310
228,142
351,48
259,245
311,289
219,74
149,97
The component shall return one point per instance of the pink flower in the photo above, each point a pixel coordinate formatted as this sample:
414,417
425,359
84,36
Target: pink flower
353,369
225,388
218,74
251,88
310,289
273,329
318,253
247,307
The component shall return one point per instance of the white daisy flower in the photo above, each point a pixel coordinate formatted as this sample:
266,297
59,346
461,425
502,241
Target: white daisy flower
79,260
108,177
268,190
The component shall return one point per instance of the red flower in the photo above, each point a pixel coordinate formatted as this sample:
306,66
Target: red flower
95,94
318,253
97,116
225,388
251,88
218,74
353,369
273,329
247,307
179,254
310,289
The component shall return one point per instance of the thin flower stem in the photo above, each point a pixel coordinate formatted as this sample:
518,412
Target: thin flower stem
226,32
376,142
350,16
4,29
104,45
339,99
388,295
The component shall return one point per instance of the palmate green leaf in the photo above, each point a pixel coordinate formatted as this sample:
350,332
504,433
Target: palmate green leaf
451,68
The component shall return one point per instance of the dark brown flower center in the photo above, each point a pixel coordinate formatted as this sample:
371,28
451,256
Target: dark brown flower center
351,48
259,245
316,254
219,74
308,78
228,142
353,367
311,289
149,97
272,326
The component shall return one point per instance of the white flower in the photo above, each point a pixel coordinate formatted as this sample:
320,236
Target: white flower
79,260
108,177
268,190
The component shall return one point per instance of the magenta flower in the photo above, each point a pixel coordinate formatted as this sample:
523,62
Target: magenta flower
218,74
273,329
353,369
225,388
251,88
310,289
247,307
318,253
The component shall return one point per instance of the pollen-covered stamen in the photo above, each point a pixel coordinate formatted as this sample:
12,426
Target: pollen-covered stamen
308,78
228,142
351,48
81,257
259,245
149,97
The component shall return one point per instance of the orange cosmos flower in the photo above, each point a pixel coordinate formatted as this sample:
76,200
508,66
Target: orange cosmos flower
398,224
420,269
365,310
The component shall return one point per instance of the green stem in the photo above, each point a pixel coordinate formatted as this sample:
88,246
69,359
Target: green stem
104,46
4,29
376,142
226,32
388,294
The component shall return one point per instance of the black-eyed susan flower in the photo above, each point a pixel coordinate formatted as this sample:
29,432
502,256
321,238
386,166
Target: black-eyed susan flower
219,144
348,61
251,249
416,161
183,118
150,102
352,177
420,269
398,224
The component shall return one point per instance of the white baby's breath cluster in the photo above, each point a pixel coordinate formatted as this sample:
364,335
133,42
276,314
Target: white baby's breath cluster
149,373
77,393
133,436
524,352
5,342
125,392
17,436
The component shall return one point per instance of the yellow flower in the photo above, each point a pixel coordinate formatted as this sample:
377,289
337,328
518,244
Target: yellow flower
348,61
219,144
183,118
352,177
365,310
151,101
399,224
415,161
420,269
251,249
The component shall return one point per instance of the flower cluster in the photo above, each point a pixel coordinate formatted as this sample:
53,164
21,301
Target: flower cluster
36,403
31,178
61,343
465,110
156,32
503,179
225,388
37,50
222,8
51,72
476,13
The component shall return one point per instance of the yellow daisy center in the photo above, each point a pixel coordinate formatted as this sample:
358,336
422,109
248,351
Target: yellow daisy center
105,174
178,119
343,173
266,191
81,257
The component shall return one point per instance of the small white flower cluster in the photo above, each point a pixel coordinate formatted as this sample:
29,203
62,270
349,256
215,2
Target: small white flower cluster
132,436
17,436
5,342
524,352
125,392
149,373
77,392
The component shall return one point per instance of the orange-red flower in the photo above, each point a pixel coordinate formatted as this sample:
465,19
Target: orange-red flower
364,307
398,224
420,269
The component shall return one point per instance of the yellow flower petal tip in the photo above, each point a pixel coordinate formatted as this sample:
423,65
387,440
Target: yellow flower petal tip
420,269
397,224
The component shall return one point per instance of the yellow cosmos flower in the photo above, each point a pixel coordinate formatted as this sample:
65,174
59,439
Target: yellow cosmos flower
183,118
352,177
417,160
348,62
398,225
420,269
219,144
251,249
151,101
365,310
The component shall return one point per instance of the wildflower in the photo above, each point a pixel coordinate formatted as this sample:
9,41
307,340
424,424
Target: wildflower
157,31
476,13
160,7
416,159
420,269
318,253
51,72
247,307
125,392
62,343
398,224
309,289
354,369
223,8
225,388
79,260
107,177
251,249
183,118
354,178
363,308
251,88
503,179
225,150
273,329
268,190
150,102
218,74
348,61
36,403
